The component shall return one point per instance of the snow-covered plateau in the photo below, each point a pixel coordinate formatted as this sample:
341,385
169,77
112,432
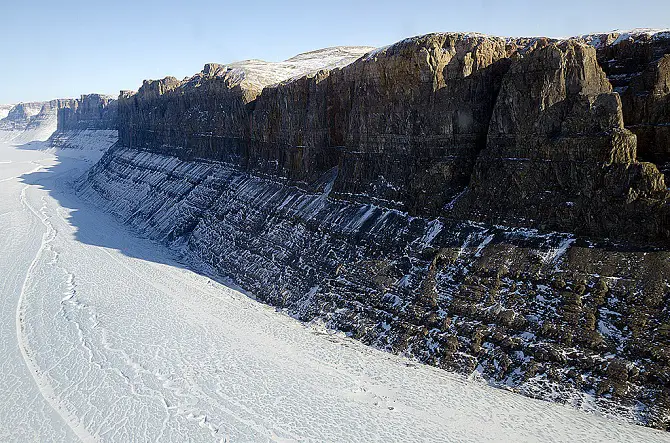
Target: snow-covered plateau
105,336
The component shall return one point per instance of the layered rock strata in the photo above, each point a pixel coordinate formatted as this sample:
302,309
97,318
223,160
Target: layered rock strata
91,111
347,195
89,123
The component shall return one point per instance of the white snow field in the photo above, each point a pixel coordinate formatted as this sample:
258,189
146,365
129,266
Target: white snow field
102,345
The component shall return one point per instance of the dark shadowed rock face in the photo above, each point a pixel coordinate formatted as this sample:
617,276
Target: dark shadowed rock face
404,123
638,66
208,115
92,111
558,155
409,197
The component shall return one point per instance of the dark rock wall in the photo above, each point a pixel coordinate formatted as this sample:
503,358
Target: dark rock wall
205,118
639,69
558,155
406,125
408,120
91,111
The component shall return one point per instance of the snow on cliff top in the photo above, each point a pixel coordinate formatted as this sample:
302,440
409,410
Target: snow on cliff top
259,73
615,37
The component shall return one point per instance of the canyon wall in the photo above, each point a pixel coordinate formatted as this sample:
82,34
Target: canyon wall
410,198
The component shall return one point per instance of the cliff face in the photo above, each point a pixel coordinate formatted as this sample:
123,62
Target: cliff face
558,155
88,125
27,122
207,116
404,124
638,66
396,197
91,111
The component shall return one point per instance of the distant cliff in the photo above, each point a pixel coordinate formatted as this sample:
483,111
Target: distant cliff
4,110
91,111
26,122
88,124
487,205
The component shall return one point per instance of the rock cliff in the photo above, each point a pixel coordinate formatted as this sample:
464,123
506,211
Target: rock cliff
638,66
475,202
27,122
558,155
91,111
89,123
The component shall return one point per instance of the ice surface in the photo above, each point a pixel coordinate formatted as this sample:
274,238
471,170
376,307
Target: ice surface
99,345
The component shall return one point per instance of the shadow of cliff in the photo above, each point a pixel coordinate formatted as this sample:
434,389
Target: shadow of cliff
92,225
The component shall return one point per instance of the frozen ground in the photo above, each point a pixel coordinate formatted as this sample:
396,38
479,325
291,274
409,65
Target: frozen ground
97,345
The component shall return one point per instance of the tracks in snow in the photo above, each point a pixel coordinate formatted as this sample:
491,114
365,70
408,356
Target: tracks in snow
41,381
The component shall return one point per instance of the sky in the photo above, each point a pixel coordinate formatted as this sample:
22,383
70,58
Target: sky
60,49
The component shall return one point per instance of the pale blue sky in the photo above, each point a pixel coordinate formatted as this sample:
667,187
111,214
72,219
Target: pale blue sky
64,48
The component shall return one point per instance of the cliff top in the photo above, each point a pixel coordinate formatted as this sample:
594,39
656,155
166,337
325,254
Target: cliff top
256,74
253,75
615,37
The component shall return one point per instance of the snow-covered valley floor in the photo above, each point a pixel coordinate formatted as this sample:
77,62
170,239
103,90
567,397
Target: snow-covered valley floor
105,337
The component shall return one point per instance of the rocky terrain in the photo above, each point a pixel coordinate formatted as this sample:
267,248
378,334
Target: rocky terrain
26,122
488,205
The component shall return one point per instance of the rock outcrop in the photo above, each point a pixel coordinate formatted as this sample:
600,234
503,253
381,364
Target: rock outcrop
559,158
409,197
91,111
638,66
88,125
